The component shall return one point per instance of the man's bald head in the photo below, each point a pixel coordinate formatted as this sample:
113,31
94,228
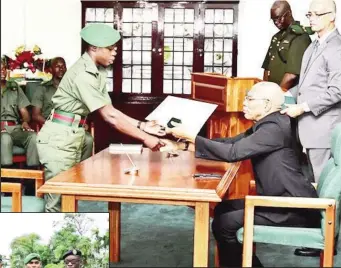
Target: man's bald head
263,98
323,5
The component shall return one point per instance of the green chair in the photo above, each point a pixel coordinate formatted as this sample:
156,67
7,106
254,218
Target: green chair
329,192
26,203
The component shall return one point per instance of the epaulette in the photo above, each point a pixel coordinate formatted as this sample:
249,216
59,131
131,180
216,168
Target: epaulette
299,29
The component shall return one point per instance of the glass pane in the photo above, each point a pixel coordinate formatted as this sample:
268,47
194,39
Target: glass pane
188,58
137,72
110,84
228,45
126,86
126,44
137,43
146,86
208,69
177,72
219,16
227,59
167,56
208,58
178,44
188,44
223,30
187,72
228,15
189,15
187,87
167,72
146,57
169,15
209,15
178,58
208,45
136,86
127,14
99,14
168,30
109,14
147,44
167,86
126,57
147,15
177,87
228,71
188,30
168,42
147,29
137,14
147,72
179,15
179,30
218,45
111,24
137,29
137,57
127,29
109,71
90,14
126,72
218,70
209,30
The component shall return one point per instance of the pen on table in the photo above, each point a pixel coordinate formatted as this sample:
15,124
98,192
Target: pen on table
207,175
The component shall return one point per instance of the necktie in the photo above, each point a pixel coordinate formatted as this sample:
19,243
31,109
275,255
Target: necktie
315,48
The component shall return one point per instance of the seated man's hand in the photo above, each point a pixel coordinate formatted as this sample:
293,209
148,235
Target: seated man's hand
180,132
26,127
170,146
152,127
293,110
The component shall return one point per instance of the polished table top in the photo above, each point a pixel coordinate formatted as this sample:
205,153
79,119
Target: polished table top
159,176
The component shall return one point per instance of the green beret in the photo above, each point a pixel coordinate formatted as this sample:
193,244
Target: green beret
100,35
31,257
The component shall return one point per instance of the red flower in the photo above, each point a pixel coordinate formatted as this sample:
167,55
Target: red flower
25,56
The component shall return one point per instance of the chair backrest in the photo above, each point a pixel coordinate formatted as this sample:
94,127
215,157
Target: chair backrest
15,189
37,175
329,185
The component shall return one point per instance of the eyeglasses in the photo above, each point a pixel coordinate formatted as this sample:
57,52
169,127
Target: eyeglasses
248,98
279,17
309,14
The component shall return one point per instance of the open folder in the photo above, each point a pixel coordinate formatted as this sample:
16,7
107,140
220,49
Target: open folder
190,113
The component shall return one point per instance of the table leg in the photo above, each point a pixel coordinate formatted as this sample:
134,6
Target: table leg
201,234
115,231
68,203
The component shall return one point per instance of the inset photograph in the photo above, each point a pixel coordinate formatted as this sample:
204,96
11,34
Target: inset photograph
54,240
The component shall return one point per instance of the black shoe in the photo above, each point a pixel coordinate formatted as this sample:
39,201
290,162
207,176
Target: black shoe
309,252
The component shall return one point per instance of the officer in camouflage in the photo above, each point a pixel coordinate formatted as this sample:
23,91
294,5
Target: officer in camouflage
13,111
82,91
282,63
42,103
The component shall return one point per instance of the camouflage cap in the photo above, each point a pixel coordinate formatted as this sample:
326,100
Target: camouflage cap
100,35
31,257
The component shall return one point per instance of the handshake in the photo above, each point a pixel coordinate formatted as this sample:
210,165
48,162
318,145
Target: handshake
185,140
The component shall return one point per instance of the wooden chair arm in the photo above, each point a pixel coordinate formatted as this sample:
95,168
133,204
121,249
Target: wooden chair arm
289,202
37,175
15,189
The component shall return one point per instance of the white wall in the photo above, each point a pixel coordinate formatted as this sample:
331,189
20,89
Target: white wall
54,25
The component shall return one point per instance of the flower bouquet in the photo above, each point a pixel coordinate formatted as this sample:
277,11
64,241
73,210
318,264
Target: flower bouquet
28,64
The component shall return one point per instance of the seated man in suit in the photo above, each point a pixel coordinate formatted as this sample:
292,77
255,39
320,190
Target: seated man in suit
13,106
270,146
42,103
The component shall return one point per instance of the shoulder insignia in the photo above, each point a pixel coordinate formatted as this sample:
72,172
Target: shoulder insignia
298,29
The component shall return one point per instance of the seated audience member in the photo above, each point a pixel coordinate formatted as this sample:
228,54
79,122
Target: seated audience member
270,146
13,106
42,103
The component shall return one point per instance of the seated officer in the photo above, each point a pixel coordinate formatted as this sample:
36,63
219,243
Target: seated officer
73,259
270,146
32,261
13,105
42,103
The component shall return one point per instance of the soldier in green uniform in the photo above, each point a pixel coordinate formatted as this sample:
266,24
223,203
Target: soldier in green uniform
13,106
42,103
32,261
282,63
81,91
73,259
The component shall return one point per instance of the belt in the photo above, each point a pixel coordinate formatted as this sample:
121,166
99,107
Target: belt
66,118
8,123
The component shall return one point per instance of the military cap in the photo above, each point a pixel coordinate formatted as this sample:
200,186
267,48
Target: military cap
74,252
31,257
100,35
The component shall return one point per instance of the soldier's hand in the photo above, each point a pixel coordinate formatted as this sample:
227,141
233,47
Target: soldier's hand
293,110
170,146
152,127
26,127
153,143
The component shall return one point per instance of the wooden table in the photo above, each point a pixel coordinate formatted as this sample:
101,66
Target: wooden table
161,180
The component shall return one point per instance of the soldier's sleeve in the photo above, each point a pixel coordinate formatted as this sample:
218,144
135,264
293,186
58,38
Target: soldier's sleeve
38,97
22,99
88,91
295,54
265,64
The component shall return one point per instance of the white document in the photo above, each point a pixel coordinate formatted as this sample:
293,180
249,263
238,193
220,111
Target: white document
193,114
125,148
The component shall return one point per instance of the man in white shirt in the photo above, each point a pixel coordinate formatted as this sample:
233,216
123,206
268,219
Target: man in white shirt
318,93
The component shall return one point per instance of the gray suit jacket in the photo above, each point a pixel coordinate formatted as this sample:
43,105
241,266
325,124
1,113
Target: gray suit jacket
320,88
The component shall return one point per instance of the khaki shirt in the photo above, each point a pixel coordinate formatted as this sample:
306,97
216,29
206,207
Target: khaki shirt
285,53
83,88
12,99
42,97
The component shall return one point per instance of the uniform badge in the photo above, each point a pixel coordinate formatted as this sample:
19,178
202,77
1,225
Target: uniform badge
74,252
285,42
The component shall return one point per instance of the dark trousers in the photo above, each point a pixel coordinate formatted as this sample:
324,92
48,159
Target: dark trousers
228,219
